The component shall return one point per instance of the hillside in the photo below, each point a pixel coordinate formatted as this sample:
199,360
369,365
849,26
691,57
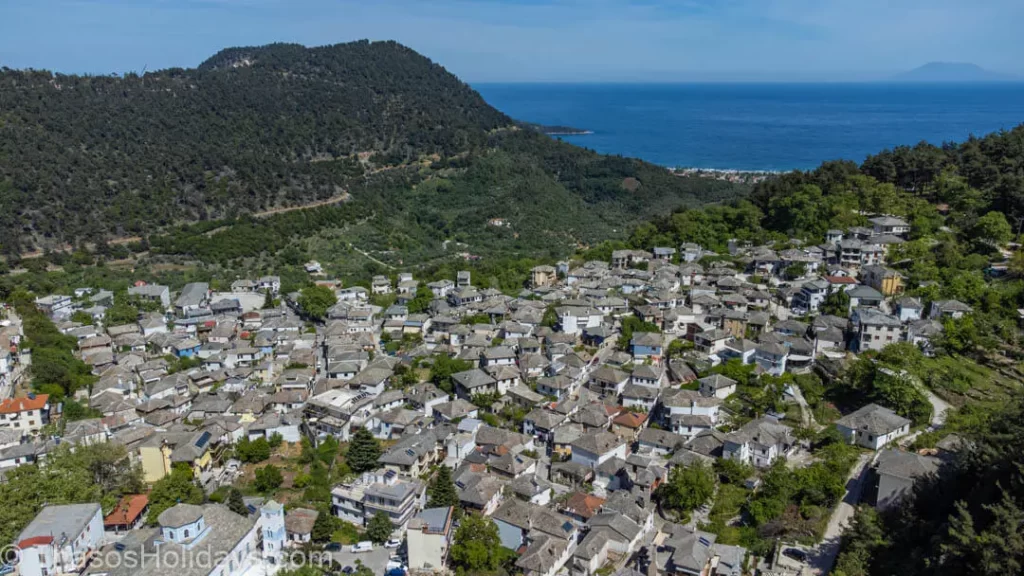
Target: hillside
93,158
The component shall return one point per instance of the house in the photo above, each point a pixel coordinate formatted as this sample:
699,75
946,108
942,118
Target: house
759,442
628,424
897,471
455,410
152,293
543,275
688,412
811,296
886,280
204,540
520,523
608,381
428,538
872,426
635,396
646,345
384,491
127,514
909,309
59,539
873,329
717,386
692,552
854,253
472,382
659,442
865,297
298,525
594,449
771,357
56,306
193,299
711,341
889,225
576,319
942,309
25,415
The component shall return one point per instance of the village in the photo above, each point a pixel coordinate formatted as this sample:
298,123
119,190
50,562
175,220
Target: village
564,414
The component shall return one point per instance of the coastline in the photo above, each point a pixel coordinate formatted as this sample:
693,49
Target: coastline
565,133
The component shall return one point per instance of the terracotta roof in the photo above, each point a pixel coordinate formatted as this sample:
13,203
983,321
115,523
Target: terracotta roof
583,505
630,419
127,510
12,405
34,541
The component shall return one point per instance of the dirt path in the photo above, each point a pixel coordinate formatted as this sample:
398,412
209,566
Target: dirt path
825,556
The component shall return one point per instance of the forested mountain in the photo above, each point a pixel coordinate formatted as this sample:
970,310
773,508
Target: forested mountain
252,129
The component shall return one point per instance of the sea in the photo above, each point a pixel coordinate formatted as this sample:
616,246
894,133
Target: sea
770,127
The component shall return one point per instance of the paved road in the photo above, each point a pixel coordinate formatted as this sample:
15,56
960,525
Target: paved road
824,557
939,408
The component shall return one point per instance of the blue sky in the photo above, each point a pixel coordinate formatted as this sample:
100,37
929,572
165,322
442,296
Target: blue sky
535,40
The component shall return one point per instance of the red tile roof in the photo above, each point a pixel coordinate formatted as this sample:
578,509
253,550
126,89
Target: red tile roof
630,419
127,510
12,405
35,541
583,505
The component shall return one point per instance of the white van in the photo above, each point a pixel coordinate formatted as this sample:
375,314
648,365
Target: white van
362,547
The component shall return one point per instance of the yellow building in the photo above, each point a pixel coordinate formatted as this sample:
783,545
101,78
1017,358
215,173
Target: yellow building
886,280
160,452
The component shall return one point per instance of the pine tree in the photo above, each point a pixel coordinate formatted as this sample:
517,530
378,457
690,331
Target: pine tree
363,452
268,300
441,492
236,504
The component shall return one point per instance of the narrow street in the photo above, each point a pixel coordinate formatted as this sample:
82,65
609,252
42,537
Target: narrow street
824,556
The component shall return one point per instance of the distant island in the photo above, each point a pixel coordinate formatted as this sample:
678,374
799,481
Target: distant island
952,72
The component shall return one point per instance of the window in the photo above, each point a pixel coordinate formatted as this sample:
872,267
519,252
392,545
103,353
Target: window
186,533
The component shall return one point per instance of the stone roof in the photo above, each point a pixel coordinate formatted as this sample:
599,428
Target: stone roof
300,520
599,443
873,419
907,465
180,515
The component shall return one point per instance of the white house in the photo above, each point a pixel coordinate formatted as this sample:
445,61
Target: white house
872,426
592,450
59,539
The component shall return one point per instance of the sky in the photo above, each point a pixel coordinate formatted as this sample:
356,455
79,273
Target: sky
535,40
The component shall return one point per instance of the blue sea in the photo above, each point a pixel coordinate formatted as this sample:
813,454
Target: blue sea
760,126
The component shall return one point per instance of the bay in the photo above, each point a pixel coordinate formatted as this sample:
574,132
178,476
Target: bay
760,126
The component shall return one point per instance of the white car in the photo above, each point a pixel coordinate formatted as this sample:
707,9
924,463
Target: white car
393,543
366,546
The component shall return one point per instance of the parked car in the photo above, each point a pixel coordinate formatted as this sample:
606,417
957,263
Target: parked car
332,547
362,547
795,554
348,570
393,543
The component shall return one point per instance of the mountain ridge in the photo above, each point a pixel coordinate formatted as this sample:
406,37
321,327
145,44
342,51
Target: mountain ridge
252,129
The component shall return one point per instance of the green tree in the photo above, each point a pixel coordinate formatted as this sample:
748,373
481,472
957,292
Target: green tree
441,491
676,348
82,317
476,547
379,528
421,301
275,440
836,303
74,410
323,527
268,300
316,300
443,368
268,478
363,452
687,488
122,312
178,486
992,228
235,502
252,451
